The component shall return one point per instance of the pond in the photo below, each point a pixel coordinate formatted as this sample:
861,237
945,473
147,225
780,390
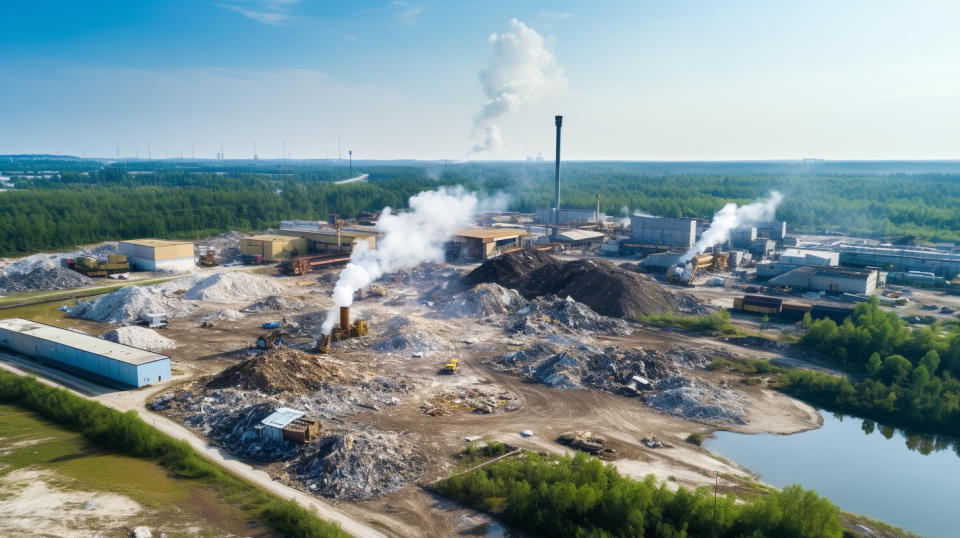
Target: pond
910,481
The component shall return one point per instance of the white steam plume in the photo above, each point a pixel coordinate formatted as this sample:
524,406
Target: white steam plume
521,70
731,217
409,239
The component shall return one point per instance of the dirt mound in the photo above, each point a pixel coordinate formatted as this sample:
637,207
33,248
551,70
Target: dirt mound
693,399
140,337
358,465
512,269
401,334
553,315
128,304
230,287
606,288
281,370
481,301
274,303
56,278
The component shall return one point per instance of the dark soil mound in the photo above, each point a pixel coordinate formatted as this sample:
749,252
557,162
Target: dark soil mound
511,269
281,370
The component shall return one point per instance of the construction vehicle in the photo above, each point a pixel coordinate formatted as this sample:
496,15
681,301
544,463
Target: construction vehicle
370,292
253,259
99,267
208,260
271,340
304,264
587,442
451,367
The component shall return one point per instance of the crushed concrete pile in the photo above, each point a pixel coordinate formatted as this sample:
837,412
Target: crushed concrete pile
553,315
274,303
232,286
129,304
55,278
606,288
282,370
358,465
401,334
52,260
512,270
481,301
424,273
227,314
693,399
226,246
140,337
611,369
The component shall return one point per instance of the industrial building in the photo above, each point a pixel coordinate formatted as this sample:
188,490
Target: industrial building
580,238
741,238
273,247
569,217
86,355
663,232
858,281
793,258
776,230
941,263
483,243
158,254
324,240
288,424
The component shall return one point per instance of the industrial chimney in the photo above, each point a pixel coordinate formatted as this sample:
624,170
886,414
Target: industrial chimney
345,319
558,120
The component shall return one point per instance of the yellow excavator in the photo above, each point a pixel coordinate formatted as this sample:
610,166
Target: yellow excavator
451,366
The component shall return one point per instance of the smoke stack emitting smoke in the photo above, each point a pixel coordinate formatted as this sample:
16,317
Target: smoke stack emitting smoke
409,239
731,217
521,70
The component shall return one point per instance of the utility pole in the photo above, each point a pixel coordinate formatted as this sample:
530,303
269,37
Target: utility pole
558,121
351,162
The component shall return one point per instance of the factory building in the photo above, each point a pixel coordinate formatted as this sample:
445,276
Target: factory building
741,238
580,238
941,263
858,281
158,254
323,240
772,230
663,232
569,217
793,258
483,243
288,424
85,355
273,247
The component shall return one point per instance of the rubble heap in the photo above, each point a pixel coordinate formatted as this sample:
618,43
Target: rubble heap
693,399
274,303
281,369
400,334
230,287
140,337
511,270
553,315
470,399
482,301
56,278
129,304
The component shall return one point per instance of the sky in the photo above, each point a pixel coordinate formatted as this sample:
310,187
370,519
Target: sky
410,79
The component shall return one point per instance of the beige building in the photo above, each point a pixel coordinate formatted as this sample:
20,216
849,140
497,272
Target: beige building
158,254
273,247
322,241
484,243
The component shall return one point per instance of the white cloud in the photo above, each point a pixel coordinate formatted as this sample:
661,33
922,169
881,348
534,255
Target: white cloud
271,12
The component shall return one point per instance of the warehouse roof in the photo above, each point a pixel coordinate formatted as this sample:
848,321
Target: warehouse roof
271,237
489,233
281,417
83,342
156,242
579,235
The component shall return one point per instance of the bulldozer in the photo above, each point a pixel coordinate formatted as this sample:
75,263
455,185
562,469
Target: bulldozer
272,340
451,367
208,260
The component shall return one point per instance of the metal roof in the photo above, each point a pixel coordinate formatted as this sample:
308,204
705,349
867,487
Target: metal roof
281,417
83,342
155,242
579,235
489,233
271,237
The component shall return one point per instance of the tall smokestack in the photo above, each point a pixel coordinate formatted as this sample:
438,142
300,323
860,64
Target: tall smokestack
558,120
345,319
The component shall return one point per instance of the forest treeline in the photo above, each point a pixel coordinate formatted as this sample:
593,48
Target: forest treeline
77,205
909,377
580,496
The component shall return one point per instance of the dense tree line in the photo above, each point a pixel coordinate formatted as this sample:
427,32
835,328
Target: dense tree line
129,434
909,376
579,496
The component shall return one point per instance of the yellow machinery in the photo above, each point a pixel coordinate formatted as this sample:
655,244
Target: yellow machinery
208,260
451,366
91,266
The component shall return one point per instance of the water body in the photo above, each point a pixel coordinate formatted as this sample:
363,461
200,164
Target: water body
910,481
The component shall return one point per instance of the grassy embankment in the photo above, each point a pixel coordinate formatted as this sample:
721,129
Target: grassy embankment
128,434
34,297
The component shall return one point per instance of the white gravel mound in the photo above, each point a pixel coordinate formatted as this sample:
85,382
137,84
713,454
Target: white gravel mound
234,286
141,337
128,304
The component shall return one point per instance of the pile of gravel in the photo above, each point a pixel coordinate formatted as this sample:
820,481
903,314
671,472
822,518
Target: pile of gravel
481,301
693,399
400,334
129,304
232,286
41,278
274,303
140,337
553,315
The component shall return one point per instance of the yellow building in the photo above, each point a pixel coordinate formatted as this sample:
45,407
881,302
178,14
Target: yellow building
158,254
273,247
485,243
322,241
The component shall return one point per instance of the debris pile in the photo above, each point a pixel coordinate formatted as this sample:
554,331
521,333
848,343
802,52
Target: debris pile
55,278
693,399
358,465
225,246
232,286
401,334
274,303
282,369
588,442
129,304
52,260
482,301
470,399
424,273
553,315
512,269
227,314
140,337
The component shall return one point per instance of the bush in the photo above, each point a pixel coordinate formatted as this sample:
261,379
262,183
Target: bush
713,323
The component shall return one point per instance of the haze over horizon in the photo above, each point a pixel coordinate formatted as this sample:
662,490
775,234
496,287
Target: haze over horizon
426,80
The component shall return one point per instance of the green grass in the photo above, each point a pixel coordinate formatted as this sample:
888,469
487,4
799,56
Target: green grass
715,323
33,297
129,435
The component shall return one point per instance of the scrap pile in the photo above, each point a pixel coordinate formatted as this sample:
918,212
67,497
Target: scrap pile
56,278
553,315
282,369
693,399
482,301
225,246
401,334
140,337
475,399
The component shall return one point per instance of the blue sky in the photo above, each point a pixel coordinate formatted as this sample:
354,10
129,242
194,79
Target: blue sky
643,80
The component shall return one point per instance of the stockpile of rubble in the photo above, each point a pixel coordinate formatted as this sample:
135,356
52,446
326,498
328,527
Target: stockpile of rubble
140,337
274,303
40,278
470,399
232,286
52,260
401,334
511,270
693,399
226,246
227,314
129,304
429,273
482,301
553,315
357,465
282,369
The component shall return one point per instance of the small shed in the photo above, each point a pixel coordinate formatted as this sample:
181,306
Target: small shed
291,424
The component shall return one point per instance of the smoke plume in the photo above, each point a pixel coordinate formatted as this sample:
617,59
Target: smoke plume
409,238
521,70
731,217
